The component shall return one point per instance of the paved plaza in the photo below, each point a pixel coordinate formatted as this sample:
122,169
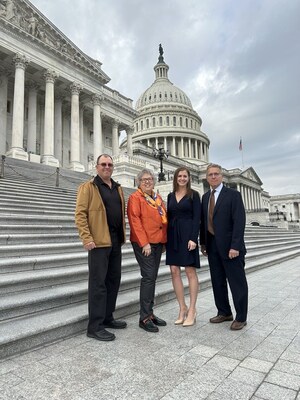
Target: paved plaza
205,361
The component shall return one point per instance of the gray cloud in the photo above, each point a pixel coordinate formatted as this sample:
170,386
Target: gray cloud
237,61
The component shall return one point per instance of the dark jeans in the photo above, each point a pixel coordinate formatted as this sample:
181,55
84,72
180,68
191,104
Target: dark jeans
104,282
149,268
233,271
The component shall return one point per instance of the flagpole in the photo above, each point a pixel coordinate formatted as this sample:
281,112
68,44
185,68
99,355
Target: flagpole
241,150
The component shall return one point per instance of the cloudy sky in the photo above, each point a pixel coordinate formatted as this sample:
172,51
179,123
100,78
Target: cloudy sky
237,60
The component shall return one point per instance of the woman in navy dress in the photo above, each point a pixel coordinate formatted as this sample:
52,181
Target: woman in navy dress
184,210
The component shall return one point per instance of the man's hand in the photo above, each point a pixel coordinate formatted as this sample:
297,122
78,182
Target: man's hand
203,250
233,253
89,246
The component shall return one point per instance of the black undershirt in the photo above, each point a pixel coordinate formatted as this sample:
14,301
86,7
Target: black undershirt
112,203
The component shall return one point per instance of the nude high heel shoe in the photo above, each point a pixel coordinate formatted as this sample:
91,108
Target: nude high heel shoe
190,321
181,317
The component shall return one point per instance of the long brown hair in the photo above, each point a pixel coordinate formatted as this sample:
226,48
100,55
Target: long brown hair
189,190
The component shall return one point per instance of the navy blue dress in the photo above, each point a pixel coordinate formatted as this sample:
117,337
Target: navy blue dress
183,225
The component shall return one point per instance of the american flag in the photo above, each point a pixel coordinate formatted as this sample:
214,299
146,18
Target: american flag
241,145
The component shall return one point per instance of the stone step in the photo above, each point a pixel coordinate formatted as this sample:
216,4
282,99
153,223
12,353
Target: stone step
29,237
28,332
38,228
25,204
19,219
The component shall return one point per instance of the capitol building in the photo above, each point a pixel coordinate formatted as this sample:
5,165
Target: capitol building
57,108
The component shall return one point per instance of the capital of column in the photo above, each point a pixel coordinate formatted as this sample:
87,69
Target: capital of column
97,99
115,123
50,76
32,85
20,61
75,88
4,71
59,95
130,129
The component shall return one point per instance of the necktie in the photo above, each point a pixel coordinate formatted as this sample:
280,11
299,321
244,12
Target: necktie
211,207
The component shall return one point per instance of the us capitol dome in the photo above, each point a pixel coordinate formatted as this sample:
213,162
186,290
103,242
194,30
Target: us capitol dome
166,118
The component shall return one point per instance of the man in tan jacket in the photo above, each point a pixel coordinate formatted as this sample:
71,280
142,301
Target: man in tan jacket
100,219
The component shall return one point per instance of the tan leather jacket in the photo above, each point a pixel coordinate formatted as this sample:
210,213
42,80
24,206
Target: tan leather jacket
90,215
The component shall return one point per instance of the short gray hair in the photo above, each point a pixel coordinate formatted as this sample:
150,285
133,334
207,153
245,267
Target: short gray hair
142,173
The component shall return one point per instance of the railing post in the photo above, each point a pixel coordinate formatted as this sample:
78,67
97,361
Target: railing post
2,166
57,177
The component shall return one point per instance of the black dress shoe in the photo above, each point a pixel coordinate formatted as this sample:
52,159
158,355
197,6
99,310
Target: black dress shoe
102,335
158,321
115,324
148,326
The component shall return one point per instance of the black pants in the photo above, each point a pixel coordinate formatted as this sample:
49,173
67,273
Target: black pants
232,270
149,268
104,282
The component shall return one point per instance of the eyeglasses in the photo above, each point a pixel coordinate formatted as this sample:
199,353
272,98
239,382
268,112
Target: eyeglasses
103,164
144,180
214,174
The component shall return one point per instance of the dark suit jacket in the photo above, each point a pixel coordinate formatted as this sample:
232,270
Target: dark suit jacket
229,221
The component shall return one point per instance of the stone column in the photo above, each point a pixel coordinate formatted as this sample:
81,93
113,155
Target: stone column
83,159
97,126
190,148
75,164
4,74
48,148
17,150
129,132
182,147
196,149
58,142
115,137
173,152
32,113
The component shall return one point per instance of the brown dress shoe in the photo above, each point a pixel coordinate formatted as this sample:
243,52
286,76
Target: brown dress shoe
221,318
236,325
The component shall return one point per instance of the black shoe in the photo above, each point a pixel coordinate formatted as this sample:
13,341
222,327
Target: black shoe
115,324
102,335
148,326
158,321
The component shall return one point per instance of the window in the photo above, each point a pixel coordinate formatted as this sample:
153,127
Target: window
91,136
9,107
174,121
153,122
147,123
160,121
168,121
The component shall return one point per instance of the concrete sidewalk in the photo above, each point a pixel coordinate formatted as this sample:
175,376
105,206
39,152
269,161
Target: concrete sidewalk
205,361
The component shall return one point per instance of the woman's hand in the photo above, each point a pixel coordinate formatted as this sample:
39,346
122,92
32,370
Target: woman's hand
191,245
146,250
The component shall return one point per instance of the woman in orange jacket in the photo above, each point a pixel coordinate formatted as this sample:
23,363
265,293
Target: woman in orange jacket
148,234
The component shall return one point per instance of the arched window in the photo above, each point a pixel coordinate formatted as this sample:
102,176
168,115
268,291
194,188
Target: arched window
160,121
147,123
142,125
153,122
168,121
174,121
180,121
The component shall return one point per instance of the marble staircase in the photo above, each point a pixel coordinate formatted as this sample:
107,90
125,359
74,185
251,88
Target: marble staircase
43,267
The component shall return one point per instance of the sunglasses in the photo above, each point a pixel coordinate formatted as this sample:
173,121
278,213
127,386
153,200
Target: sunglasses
103,164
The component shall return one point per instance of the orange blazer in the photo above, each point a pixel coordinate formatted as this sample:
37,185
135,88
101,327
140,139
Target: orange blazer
145,221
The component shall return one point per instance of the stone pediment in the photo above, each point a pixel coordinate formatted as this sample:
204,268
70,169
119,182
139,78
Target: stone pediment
22,16
249,173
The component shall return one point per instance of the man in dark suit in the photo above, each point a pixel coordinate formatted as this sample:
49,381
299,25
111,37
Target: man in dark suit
222,241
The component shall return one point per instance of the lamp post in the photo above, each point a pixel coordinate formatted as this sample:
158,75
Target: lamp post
161,154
